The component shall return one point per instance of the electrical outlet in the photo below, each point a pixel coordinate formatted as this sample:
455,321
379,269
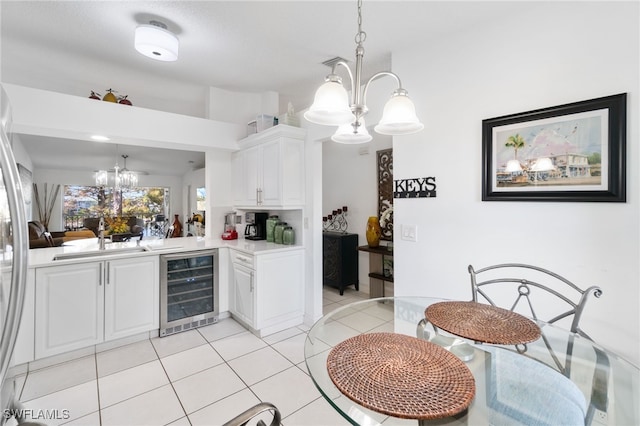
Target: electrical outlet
600,418
409,233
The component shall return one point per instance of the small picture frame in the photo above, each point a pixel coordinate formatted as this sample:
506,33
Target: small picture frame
572,152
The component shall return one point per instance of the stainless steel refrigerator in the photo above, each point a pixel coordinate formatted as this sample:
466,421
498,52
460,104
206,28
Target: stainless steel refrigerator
13,258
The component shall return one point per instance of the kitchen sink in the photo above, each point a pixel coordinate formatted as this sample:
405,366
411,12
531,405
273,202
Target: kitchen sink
98,253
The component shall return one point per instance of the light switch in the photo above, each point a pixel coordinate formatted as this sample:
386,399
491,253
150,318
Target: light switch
410,233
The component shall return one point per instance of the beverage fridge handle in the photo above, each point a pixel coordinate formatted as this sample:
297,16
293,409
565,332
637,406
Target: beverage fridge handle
19,267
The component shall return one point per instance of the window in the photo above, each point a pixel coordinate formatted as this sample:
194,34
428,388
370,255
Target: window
92,201
201,195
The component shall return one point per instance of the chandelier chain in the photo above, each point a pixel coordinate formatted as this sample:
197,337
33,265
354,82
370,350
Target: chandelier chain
361,36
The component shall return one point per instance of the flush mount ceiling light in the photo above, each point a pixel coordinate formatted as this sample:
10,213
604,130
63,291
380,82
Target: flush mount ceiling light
331,105
156,42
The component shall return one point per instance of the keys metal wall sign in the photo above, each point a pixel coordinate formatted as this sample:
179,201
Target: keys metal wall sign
424,187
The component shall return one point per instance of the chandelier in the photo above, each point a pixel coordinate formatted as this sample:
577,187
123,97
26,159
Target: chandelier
331,106
123,178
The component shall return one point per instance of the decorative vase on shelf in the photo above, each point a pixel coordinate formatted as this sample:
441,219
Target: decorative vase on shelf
373,232
177,227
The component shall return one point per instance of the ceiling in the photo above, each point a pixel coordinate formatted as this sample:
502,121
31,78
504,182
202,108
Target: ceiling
75,47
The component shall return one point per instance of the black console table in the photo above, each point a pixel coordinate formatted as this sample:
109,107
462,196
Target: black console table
340,260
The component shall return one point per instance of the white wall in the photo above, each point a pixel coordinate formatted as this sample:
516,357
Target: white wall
219,191
190,182
240,107
22,157
46,113
556,53
349,178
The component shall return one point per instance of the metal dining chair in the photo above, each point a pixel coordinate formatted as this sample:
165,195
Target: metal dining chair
250,414
531,284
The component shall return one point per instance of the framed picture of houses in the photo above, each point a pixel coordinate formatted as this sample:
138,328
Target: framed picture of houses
572,152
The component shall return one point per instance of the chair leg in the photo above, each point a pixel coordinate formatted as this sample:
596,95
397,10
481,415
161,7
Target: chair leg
599,389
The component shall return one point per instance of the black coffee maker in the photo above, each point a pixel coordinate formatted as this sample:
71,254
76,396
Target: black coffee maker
256,228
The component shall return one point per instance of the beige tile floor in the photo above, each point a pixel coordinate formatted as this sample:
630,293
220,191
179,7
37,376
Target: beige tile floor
204,376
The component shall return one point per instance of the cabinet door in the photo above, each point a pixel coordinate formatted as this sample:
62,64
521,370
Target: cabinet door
271,194
252,168
280,290
243,294
132,298
69,308
292,172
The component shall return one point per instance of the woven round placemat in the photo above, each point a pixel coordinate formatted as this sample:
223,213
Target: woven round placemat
482,323
401,376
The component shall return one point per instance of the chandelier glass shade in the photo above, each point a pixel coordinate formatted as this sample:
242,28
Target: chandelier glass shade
332,107
102,178
349,133
331,104
156,42
399,116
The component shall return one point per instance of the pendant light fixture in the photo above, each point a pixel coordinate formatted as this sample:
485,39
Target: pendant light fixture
156,42
123,178
331,106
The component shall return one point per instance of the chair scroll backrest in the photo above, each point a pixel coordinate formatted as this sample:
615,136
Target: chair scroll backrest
530,280
252,413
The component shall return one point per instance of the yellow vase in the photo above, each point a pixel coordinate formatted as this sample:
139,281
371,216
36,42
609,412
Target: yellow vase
373,231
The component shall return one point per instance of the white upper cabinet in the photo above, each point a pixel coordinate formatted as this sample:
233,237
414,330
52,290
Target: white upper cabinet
268,170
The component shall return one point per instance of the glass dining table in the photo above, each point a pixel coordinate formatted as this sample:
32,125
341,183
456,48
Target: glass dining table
560,378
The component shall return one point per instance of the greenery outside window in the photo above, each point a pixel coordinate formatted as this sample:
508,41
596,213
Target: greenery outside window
92,201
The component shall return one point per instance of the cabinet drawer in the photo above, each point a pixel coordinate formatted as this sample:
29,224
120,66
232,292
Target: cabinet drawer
242,259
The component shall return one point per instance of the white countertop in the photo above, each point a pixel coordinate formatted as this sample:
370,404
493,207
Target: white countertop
45,256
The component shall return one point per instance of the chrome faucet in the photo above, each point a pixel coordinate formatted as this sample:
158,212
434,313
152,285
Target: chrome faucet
101,233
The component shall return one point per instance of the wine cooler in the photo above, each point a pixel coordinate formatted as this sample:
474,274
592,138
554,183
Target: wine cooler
188,291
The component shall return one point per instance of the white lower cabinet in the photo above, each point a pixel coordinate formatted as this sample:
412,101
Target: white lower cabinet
85,304
268,290
23,349
131,297
243,293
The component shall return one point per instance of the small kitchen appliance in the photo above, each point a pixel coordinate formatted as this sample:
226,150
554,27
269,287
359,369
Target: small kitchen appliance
256,228
230,232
